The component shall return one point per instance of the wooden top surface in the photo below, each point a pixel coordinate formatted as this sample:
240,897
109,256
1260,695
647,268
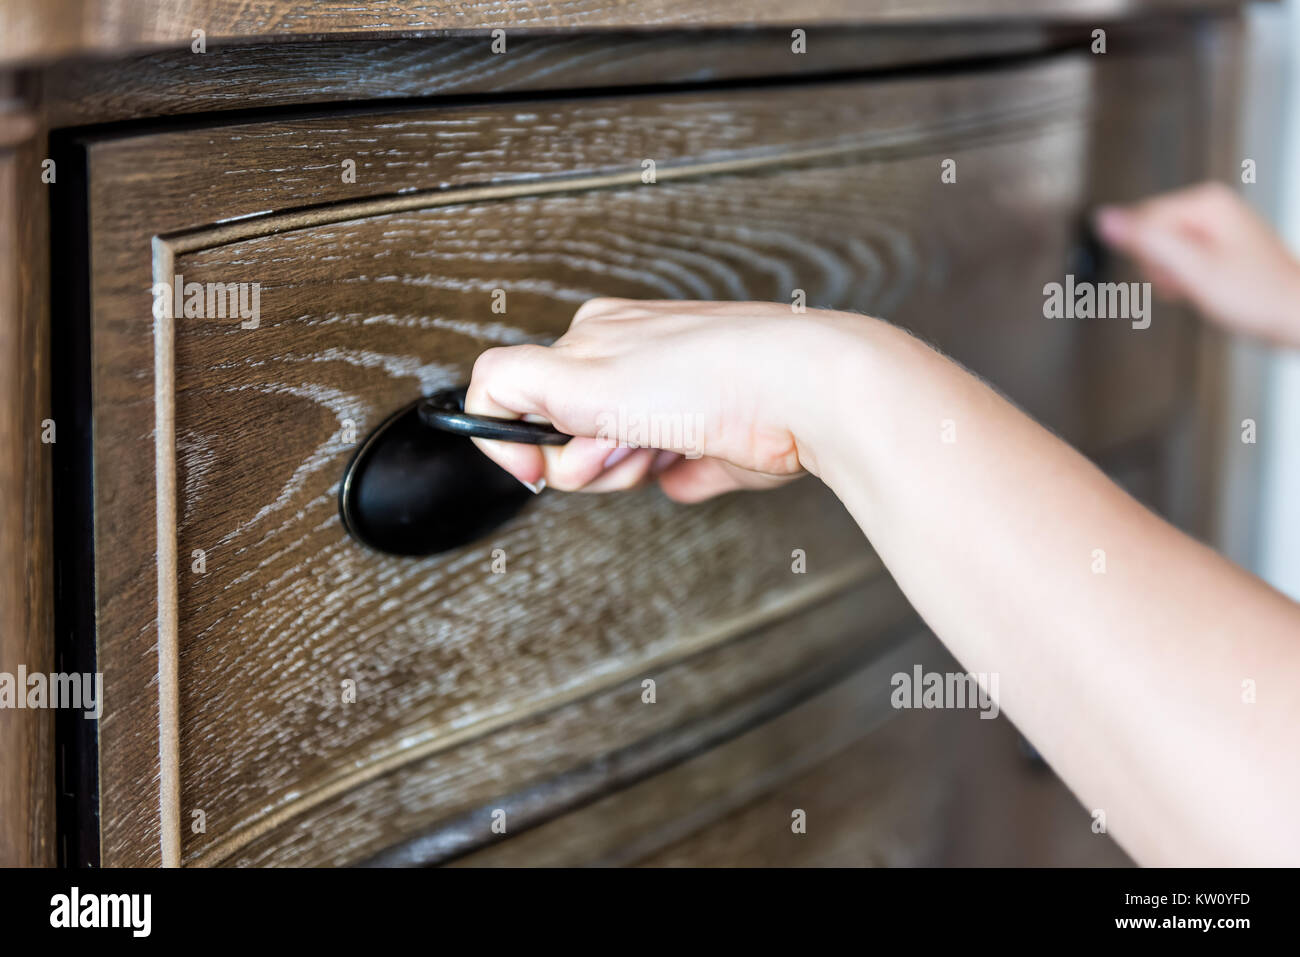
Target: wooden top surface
34,31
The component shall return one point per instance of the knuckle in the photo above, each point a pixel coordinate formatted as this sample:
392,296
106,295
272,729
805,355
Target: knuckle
487,362
601,305
775,453
493,360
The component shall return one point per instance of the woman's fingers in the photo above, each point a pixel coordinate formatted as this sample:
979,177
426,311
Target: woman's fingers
573,466
523,461
531,382
1172,256
687,377
510,381
628,472
695,480
1205,245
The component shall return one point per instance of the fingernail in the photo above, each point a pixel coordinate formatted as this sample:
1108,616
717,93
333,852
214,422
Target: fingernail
618,455
534,487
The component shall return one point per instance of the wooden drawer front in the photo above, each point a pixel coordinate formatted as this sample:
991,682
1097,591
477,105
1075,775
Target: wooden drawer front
877,787
597,590
375,291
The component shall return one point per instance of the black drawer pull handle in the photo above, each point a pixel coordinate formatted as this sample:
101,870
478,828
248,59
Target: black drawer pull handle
417,485
446,410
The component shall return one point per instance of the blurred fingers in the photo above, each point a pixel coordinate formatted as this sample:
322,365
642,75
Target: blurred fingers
1173,258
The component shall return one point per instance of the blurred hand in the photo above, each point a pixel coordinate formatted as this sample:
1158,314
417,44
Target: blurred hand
1203,245
706,397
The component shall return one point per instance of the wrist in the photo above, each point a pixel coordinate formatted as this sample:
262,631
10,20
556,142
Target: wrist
851,368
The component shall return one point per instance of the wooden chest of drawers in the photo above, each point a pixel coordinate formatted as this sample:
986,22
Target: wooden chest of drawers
600,680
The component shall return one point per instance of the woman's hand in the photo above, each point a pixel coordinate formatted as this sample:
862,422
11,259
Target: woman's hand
1204,246
707,397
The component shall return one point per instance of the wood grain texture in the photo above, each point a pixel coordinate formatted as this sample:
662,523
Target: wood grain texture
332,71
27,758
374,291
931,788
191,178
544,765
879,787
243,405
639,821
32,30
436,317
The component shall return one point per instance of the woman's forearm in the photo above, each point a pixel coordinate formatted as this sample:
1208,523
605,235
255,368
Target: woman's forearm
1126,651
1157,678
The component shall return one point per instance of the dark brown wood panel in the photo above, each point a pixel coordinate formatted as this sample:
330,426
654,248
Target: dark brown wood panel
260,414
643,819
441,806
26,632
272,403
32,30
259,499
878,787
377,290
931,788
192,178
332,71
